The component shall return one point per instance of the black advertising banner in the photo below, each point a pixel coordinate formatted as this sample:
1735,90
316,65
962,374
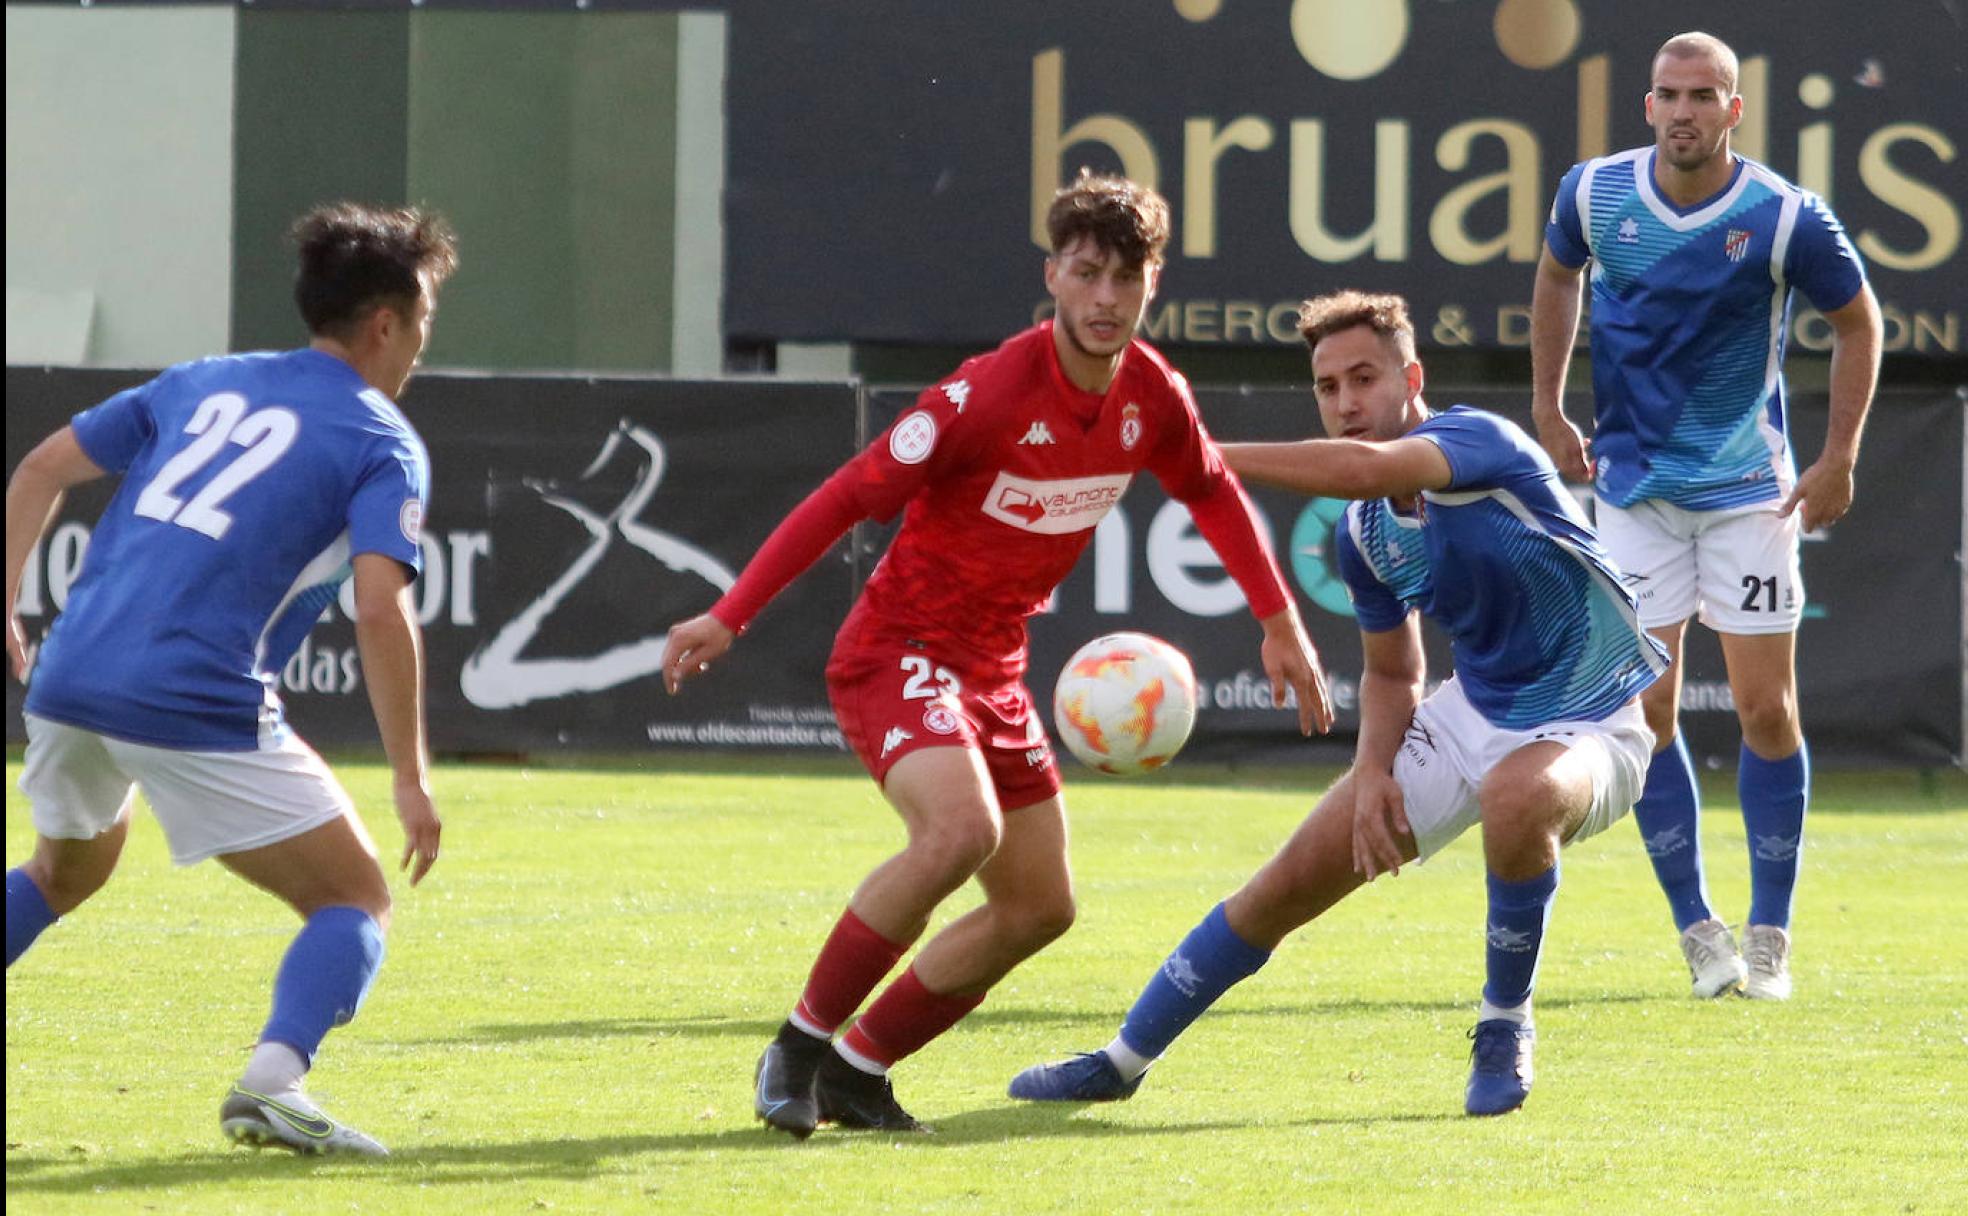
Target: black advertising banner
1879,652
572,521
890,165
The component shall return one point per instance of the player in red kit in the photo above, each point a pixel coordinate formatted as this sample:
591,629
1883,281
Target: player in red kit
1001,472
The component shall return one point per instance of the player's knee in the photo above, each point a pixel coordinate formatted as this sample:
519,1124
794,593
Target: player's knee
1769,718
1043,922
1520,809
959,844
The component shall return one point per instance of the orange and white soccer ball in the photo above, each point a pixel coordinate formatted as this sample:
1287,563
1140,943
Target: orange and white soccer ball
1125,703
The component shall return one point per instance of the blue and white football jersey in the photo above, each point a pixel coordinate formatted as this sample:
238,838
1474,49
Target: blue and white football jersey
1689,312
249,482
1540,624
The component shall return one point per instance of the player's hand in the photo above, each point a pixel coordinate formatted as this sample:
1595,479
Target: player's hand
1291,662
1380,819
1567,446
692,647
1825,492
16,648
421,827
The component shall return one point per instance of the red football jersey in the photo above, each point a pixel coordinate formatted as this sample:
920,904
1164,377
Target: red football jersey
1004,469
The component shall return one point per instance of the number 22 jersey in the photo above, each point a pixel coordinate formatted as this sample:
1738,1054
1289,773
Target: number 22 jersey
249,484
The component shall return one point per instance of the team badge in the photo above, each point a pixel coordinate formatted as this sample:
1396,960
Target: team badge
1130,425
411,519
913,438
1736,244
940,719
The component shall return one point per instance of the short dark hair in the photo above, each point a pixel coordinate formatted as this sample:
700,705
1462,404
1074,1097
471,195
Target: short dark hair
1698,45
354,257
1121,216
1385,313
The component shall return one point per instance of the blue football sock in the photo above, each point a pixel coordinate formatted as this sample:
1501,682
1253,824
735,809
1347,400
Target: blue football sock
1774,795
27,913
1203,967
1669,815
324,977
1515,934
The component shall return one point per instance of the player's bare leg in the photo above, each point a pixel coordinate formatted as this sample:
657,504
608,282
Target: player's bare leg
1028,903
1531,801
57,879
329,875
1312,871
1774,783
949,809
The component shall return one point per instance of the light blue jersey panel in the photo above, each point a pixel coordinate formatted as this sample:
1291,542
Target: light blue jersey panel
1689,312
1541,627
249,482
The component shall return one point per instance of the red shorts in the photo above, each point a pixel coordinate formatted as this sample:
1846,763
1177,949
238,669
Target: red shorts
891,705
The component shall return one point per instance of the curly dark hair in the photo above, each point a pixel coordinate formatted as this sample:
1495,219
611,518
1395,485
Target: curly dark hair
1387,314
1121,216
355,257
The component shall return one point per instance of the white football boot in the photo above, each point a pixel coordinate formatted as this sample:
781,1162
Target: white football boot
290,1120
1766,948
1712,957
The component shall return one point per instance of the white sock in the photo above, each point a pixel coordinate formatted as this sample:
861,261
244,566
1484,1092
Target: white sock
1520,1014
874,1068
274,1067
1126,1060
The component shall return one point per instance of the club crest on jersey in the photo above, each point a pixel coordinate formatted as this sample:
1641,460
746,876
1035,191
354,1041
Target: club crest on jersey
1130,425
940,720
1736,244
913,438
1054,508
411,519
1629,231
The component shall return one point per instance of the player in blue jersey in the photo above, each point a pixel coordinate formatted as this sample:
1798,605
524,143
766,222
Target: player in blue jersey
252,487
1694,252
1538,735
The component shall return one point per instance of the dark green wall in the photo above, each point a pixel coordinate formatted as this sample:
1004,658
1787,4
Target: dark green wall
548,139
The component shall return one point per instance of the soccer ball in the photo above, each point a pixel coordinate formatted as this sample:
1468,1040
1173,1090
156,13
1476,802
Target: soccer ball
1125,703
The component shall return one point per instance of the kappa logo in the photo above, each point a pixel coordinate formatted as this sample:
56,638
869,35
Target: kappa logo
1667,840
1038,434
1182,973
1508,940
895,738
1736,244
1778,848
1053,508
958,391
1629,231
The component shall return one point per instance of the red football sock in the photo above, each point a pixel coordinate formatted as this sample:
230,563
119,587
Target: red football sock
852,962
904,1018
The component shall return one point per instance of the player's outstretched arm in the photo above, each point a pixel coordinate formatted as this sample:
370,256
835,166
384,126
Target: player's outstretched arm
1825,489
391,645
1343,468
1554,330
1292,662
34,494
692,647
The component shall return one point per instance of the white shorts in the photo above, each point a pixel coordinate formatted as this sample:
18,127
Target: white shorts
1738,567
1450,748
209,803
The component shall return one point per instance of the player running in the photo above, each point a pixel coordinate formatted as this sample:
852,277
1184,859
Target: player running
1538,735
1694,252
1002,471
253,486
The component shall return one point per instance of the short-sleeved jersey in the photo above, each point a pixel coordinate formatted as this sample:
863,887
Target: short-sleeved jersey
249,484
1004,469
1689,312
1540,624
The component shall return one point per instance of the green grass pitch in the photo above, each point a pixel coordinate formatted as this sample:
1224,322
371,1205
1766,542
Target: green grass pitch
573,1002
